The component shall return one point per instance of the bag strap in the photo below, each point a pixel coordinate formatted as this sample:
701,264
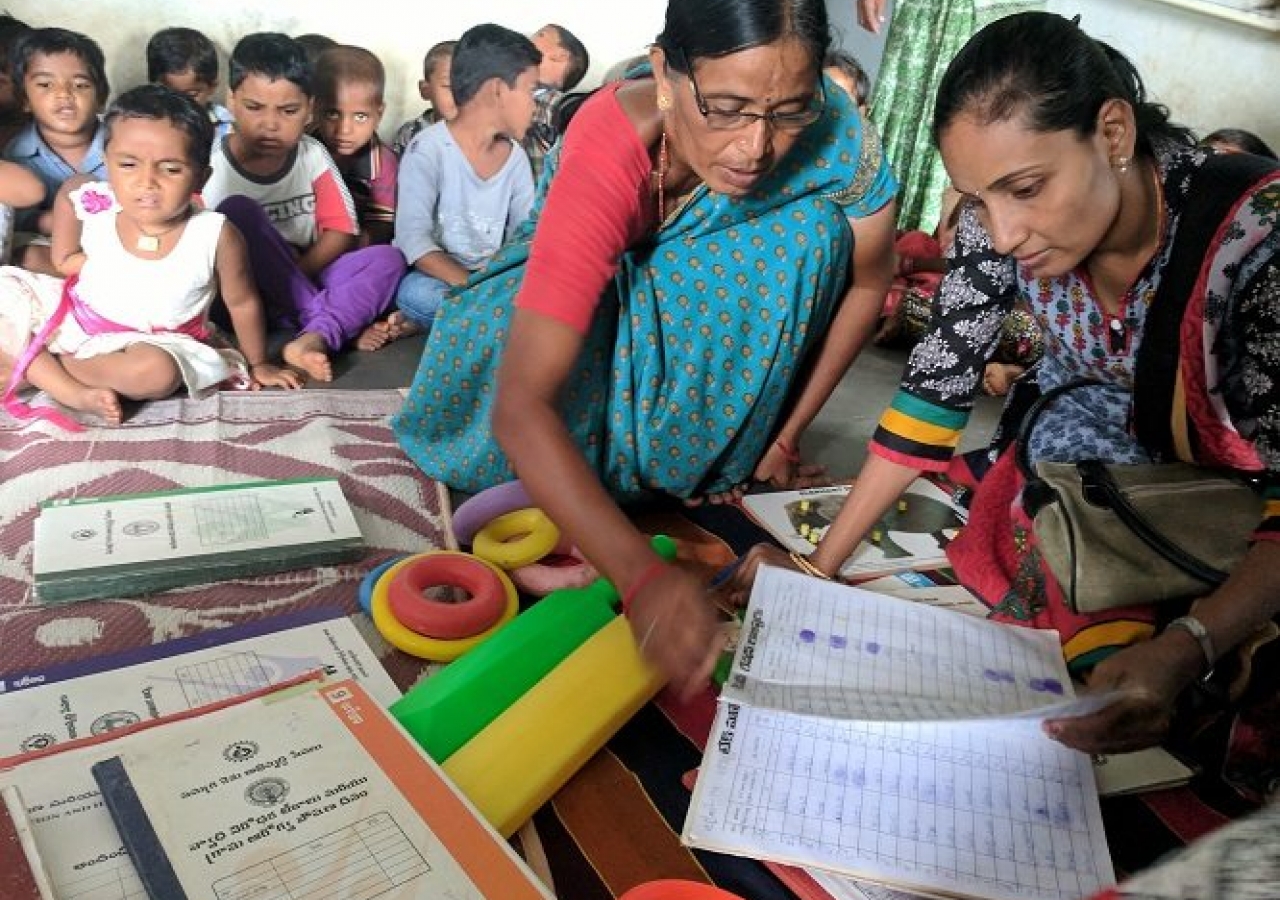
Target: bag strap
1100,489
1021,444
1216,188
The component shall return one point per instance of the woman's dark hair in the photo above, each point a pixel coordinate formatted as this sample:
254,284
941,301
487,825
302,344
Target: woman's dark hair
1244,141
163,104
706,29
272,55
485,52
50,42
172,51
1043,68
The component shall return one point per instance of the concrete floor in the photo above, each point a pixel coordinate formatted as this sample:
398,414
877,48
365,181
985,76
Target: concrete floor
836,439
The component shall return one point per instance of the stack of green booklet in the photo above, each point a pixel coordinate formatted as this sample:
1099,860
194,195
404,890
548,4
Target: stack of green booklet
143,543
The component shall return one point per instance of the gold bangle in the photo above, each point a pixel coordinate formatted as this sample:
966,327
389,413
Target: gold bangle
807,566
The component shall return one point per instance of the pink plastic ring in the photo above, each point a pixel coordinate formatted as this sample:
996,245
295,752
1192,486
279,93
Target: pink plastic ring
440,619
564,568
484,507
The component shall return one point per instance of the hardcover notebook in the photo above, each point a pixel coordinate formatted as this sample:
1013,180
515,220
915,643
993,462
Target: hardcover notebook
311,792
900,744
143,543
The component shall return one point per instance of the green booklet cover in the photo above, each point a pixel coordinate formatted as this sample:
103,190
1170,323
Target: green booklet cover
134,544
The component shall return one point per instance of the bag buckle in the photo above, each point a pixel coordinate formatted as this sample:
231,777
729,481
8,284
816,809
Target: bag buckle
1096,484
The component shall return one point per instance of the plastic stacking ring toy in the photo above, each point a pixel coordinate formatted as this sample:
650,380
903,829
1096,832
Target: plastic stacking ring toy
565,568
415,644
677,889
442,619
516,539
365,594
484,507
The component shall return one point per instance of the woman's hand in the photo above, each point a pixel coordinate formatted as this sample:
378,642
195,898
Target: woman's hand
785,472
871,15
737,587
675,628
1149,676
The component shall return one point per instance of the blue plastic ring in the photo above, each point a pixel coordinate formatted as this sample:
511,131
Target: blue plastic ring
365,596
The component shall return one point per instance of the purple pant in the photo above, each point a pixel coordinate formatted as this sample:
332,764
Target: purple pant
353,292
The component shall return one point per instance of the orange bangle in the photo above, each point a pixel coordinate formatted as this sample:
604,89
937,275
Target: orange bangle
650,572
789,453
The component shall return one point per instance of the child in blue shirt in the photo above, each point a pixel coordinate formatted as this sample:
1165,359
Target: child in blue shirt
60,77
186,61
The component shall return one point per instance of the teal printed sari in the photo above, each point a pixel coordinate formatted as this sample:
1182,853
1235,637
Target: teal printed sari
694,346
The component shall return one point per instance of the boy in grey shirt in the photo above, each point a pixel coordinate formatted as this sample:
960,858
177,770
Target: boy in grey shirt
465,184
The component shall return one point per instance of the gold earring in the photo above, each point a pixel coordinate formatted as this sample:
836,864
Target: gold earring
664,102
1122,164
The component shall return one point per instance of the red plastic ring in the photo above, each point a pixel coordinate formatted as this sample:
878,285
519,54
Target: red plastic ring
677,889
486,600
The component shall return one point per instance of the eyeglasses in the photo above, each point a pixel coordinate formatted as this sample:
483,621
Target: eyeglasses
733,119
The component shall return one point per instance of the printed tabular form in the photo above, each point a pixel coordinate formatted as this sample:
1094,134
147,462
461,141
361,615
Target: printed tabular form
899,743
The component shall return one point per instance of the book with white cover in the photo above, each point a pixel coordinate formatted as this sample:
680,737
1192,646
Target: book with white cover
131,544
315,791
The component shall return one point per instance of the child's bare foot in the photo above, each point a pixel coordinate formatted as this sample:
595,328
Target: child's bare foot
392,328
309,353
375,337
99,401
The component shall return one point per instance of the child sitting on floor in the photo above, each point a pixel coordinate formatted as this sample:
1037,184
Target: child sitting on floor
12,116
564,62
465,185
142,266
281,188
436,88
186,60
60,79
349,84
349,105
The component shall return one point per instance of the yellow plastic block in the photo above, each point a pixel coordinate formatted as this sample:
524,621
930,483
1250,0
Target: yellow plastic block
521,758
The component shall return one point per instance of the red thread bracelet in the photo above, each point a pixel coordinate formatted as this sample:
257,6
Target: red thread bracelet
650,572
789,453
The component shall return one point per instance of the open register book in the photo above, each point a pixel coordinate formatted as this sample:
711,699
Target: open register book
901,744
912,535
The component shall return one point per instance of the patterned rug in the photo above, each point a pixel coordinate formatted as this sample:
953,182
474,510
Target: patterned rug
224,439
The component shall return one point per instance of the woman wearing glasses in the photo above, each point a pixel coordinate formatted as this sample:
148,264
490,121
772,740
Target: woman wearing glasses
690,251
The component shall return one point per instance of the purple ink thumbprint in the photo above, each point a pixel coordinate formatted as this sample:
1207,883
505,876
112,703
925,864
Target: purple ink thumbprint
808,635
1046,685
872,647
839,642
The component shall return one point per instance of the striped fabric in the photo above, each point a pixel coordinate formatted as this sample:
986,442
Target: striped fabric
918,433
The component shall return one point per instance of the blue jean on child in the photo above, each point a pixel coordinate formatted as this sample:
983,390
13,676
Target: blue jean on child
419,297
